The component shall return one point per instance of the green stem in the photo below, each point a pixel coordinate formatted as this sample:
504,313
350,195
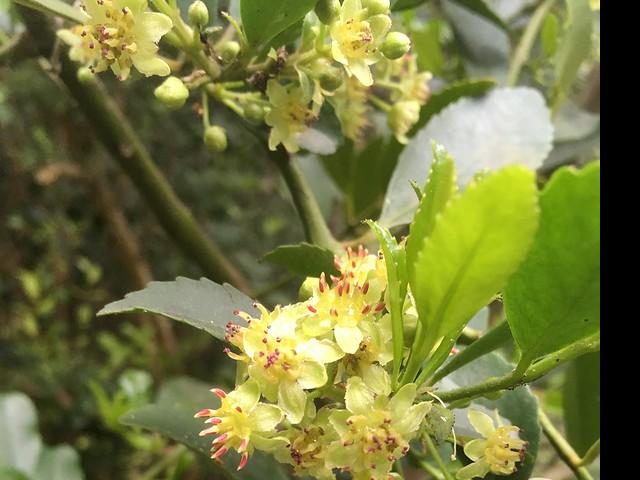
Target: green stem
591,455
523,50
315,228
531,372
381,104
120,139
562,447
434,452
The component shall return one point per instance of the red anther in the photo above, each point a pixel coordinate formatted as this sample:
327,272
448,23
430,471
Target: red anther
366,309
220,452
454,350
337,264
333,312
254,304
348,288
235,312
365,288
226,350
312,309
340,289
218,392
205,412
362,251
221,439
243,461
213,420
353,264
349,251
380,307
238,409
335,279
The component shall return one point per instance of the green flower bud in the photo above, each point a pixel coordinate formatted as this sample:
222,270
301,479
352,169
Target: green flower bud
229,51
327,10
254,113
327,74
306,289
172,93
85,76
395,45
215,138
376,7
198,13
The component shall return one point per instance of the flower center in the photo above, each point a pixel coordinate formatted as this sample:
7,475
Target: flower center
378,441
355,38
503,451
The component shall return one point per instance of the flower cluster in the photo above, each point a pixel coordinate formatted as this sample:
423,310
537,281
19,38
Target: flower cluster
313,388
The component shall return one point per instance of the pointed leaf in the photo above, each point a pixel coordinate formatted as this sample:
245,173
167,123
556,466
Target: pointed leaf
200,303
478,241
262,20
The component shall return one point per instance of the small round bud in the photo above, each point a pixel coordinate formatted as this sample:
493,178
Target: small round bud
229,51
172,93
327,10
376,7
395,45
328,75
198,13
215,138
85,76
402,116
254,113
306,289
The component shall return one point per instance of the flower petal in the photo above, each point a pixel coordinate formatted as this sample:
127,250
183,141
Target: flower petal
153,25
412,418
348,338
312,375
292,400
350,9
403,398
268,444
150,65
380,25
265,417
481,422
358,398
247,395
337,53
360,69
377,379
475,469
475,448
321,351
338,420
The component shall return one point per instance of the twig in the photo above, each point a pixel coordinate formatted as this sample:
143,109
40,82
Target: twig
560,444
436,455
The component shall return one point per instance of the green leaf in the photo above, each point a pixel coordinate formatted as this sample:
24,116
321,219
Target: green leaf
581,402
479,7
200,303
395,261
20,442
58,463
575,45
478,241
427,46
549,34
55,7
554,298
452,93
264,19
519,406
304,259
440,187
506,126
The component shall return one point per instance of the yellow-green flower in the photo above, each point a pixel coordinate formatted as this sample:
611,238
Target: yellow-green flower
289,116
280,359
350,105
498,452
374,430
402,116
119,34
356,39
242,423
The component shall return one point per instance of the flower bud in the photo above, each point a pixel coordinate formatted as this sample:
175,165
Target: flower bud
402,116
306,289
85,76
198,13
215,138
395,45
229,51
328,75
376,7
172,93
254,113
327,10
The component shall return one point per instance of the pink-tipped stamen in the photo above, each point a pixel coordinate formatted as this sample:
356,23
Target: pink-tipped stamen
208,431
221,439
220,452
379,307
218,392
244,443
312,309
205,412
243,461
366,309
213,420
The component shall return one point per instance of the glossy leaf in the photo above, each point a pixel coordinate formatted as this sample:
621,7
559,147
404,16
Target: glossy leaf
20,442
439,189
478,242
478,7
262,20
200,303
554,298
507,126
304,259
581,401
